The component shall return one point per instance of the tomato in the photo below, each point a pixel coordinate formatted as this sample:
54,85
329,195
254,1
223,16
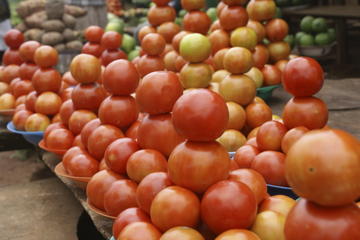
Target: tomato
169,60
197,22
269,225
278,203
27,50
161,2
36,122
66,110
143,162
131,132
22,87
180,62
271,165
158,15
59,139
279,51
213,167
220,7
20,107
196,75
85,68
48,103
88,96
310,112
314,173
10,72
195,48
272,75
19,119
126,217
257,114
270,135
232,140
184,233
230,200
144,31
291,137
46,56
177,39
310,221
27,70
281,64
175,206
81,165
93,34
258,28
238,88
219,58
261,56
276,29
98,185
4,88
168,30
52,127
191,5
120,111
78,119
118,152
111,40
303,77
12,57
14,38
70,153
148,64
69,79
94,49
232,17
254,180
244,37
149,187
120,196
46,79
20,100
238,234
237,116
238,60
153,44
215,26
195,124
7,101
108,56
219,39
261,10
140,230
219,75
245,155
78,143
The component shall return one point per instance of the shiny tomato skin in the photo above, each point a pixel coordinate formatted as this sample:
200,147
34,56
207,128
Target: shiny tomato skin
46,56
197,21
240,234
10,72
127,217
81,165
261,56
78,120
27,70
66,110
276,29
270,135
94,49
140,230
158,132
98,185
213,167
121,77
149,187
144,31
175,206
111,40
158,92
14,38
22,87
131,132
158,15
120,111
177,39
257,114
85,68
71,152
30,101
48,103
118,153
184,233
314,172
310,221
88,129
148,64
143,162
271,165
108,56
190,5
88,96
46,79
12,57
261,10
153,44
78,143
27,50
230,200
291,137
168,30
245,155
272,75
303,77
19,119
120,196
93,34
310,112
219,39
232,17
59,139
190,119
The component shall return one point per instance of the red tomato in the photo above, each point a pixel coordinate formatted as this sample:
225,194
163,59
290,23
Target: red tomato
46,79
108,56
238,60
219,8
120,111
93,34
149,187
169,60
19,119
153,44
258,28
65,94
20,100
118,153
14,38
12,57
278,203
276,29
252,142
85,68
310,112
279,51
240,234
126,217
213,167
10,72
120,196
70,153
272,75
27,70
175,206
78,143
230,200
257,114
270,135
81,165
140,230
88,96
131,132
271,165
20,107
161,3
120,77
254,180
59,139
148,64
310,221
215,26
101,138
261,10
219,39
98,185
191,5
232,17
94,49
197,21
22,87
177,39
144,31
261,56
46,56
291,137
27,50
192,122
219,58
69,79
180,62
111,40
184,233
78,120
303,77
313,168
168,30
48,103
52,127
66,110
37,122
158,15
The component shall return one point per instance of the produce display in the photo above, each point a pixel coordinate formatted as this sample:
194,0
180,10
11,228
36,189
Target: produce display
175,144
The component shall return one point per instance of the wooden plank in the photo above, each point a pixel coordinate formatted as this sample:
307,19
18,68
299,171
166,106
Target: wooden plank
335,11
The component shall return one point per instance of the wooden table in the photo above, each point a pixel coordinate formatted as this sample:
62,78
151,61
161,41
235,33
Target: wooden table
340,14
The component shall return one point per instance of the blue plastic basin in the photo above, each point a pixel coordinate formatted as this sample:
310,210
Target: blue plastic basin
31,137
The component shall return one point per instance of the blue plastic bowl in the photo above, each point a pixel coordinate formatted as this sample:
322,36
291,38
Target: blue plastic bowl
279,190
266,92
231,154
112,238
31,137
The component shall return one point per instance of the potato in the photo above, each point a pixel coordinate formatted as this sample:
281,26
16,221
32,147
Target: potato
53,26
60,47
21,27
54,9
74,45
70,35
69,21
36,20
34,34
75,11
26,8
52,38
